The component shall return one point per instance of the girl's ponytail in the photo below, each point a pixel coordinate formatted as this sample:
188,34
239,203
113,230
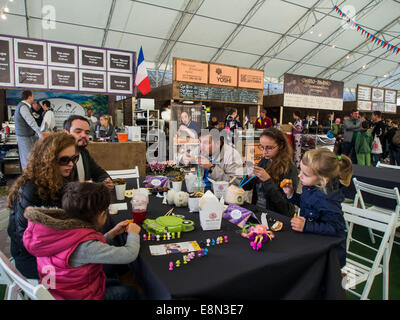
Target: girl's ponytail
345,170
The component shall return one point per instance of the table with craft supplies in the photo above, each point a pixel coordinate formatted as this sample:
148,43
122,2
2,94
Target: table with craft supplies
291,266
381,177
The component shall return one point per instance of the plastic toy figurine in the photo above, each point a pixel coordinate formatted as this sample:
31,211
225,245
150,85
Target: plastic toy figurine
144,237
178,263
171,266
226,239
257,234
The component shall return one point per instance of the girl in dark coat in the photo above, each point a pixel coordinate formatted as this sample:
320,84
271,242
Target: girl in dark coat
323,176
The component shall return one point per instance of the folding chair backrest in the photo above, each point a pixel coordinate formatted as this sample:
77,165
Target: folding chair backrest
373,220
375,190
125,174
383,165
16,282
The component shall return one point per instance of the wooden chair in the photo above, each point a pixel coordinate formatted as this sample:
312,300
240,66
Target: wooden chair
18,287
383,165
359,269
377,191
125,174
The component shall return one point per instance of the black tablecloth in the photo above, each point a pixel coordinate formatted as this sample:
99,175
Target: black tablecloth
381,177
293,266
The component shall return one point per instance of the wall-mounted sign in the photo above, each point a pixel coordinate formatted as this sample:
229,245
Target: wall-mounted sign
250,78
93,81
63,108
390,96
91,58
120,83
119,61
390,107
191,71
364,105
377,94
63,55
378,106
6,64
363,93
29,51
31,76
63,78
308,92
223,75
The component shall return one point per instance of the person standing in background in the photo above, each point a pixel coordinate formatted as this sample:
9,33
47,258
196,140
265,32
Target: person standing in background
49,121
93,121
363,145
25,127
37,112
263,122
378,129
350,128
297,130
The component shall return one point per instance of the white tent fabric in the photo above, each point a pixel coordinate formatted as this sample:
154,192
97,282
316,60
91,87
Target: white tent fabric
304,37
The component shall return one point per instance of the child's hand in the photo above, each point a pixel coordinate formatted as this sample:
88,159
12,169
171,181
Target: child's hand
298,223
287,187
120,228
133,228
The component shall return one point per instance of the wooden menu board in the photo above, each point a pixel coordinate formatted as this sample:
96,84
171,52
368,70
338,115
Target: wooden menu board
190,71
202,81
376,99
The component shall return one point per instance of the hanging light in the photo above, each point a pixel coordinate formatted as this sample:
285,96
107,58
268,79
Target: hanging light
3,16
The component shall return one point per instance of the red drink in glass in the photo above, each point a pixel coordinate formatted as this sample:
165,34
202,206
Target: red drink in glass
139,215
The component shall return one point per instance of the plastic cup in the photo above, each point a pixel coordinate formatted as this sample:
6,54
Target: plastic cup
139,215
120,191
177,185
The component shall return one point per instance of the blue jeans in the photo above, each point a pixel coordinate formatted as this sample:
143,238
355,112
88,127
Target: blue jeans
116,291
394,157
375,157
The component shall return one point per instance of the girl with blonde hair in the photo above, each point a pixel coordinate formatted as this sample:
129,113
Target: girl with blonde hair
41,184
106,127
323,175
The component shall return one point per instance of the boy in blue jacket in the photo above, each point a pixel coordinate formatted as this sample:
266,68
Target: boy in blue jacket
323,176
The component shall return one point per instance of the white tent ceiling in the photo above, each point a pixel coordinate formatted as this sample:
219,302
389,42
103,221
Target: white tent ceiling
304,37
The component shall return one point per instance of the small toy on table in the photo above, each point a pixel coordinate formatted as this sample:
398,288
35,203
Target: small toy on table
257,234
129,221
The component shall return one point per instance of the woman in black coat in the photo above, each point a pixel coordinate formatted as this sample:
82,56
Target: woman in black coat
276,165
40,185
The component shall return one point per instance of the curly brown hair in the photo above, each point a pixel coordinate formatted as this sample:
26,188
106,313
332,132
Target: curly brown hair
43,169
280,165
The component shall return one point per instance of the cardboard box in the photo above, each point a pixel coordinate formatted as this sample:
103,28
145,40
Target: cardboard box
12,167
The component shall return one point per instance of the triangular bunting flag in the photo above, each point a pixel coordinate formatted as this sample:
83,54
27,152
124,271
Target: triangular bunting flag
397,51
379,42
358,28
384,45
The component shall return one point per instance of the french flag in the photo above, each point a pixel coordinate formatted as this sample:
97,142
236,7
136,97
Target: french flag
142,79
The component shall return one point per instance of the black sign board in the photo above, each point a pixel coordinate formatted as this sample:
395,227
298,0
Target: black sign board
119,83
5,62
120,62
62,55
63,78
31,75
187,91
28,51
92,59
93,81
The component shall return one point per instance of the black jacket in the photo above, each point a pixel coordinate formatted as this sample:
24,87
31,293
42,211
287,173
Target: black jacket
17,223
275,197
92,170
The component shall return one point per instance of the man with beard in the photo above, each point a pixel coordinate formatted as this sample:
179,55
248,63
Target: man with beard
86,167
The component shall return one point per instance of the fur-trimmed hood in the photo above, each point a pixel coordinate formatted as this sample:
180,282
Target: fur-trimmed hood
54,218
50,231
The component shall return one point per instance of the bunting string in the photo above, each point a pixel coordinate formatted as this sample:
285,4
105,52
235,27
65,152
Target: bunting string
369,36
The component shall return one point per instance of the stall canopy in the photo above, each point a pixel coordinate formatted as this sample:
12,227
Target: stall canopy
308,37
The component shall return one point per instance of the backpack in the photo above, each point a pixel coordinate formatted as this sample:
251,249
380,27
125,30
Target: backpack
396,138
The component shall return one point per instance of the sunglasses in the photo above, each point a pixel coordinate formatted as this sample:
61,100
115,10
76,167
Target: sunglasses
63,161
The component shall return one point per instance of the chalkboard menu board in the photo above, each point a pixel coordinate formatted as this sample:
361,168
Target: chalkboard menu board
41,64
188,91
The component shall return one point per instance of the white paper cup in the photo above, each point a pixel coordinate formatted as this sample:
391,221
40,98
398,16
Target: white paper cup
219,188
193,204
120,191
177,185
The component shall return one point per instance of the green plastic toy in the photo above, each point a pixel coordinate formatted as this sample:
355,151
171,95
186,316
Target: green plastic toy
165,224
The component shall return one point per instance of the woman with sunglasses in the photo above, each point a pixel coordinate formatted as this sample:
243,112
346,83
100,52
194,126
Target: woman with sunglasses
40,185
276,165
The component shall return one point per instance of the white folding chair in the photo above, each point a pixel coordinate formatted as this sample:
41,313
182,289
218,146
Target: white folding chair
18,287
125,174
377,191
383,165
362,269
